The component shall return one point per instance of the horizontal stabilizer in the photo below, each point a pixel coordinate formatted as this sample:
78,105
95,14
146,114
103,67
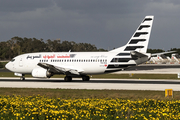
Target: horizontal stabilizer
162,53
138,54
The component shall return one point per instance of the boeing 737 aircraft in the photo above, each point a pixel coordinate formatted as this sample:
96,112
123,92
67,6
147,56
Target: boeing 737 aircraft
82,64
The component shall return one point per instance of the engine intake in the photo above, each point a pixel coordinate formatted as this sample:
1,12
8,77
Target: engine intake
41,73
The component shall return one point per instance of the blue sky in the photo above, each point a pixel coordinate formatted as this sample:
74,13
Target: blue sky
106,24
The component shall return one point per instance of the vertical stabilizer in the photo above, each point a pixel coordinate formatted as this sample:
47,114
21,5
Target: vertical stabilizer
140,39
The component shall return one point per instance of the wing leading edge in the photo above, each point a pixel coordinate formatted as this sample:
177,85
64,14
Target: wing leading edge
60,69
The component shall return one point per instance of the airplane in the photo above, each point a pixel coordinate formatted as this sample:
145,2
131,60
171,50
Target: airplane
83,64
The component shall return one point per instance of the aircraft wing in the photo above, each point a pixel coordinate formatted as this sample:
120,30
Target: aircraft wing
60,69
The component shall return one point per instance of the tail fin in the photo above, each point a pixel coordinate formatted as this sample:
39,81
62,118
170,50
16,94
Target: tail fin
140,39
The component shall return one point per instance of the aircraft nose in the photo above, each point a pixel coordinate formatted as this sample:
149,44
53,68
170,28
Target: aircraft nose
8,66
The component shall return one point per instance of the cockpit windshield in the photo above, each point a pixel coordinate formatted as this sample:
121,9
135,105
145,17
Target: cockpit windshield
12,60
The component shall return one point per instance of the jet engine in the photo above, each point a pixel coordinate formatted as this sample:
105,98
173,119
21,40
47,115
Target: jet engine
41,73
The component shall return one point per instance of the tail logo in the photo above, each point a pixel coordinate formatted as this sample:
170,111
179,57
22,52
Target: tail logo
139,40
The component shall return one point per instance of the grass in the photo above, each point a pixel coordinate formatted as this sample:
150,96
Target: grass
82,94
137,76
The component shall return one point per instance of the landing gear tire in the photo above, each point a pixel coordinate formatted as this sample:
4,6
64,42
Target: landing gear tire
22,78
68,78
85,78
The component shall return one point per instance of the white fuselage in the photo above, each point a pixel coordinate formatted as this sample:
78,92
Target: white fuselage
88,62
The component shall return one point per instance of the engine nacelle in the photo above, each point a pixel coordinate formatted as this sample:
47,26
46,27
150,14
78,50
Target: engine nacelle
41,73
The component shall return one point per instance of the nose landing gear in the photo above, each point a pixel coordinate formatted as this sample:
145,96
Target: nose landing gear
22,77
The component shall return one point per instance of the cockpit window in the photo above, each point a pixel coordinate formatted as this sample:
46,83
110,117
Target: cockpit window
12,60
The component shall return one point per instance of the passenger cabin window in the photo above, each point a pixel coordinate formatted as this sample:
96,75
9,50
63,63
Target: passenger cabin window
86,60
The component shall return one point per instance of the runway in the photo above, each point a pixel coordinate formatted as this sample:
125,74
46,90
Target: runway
95,84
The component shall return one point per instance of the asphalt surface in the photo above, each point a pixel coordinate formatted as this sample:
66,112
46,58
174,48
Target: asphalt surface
60,80
93,84
4,70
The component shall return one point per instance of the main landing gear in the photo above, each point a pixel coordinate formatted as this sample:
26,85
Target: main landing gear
85,78
69,78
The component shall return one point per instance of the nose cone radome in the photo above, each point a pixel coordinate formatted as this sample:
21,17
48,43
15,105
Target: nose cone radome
8,66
